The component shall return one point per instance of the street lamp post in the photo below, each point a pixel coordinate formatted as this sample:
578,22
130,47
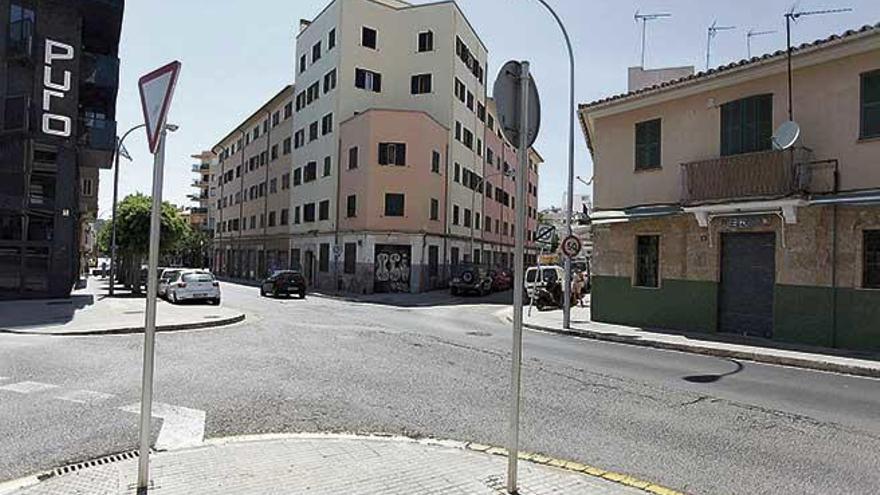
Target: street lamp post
119,142
566,314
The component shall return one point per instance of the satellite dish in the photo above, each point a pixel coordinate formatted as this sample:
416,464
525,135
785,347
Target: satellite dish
786,135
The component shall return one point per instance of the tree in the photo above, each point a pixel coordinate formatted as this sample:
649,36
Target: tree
133,234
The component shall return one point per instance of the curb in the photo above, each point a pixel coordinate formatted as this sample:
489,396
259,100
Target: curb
9,487
139,329
757,357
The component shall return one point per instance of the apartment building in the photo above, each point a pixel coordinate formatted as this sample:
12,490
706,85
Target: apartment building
248,195
204,171
57,129
399,170
701,224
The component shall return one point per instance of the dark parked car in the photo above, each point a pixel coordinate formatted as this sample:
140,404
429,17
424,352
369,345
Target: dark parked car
285,283
470,278
502,279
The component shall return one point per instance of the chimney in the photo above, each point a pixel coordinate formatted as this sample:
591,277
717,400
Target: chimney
639,78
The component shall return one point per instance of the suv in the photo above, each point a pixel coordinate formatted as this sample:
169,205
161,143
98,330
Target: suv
472,278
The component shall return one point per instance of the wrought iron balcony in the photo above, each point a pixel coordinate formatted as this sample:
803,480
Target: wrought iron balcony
100,71
753,176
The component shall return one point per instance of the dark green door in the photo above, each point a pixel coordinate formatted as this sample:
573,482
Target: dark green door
748,275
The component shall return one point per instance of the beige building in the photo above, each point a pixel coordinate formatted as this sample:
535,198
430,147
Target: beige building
249,193
701,224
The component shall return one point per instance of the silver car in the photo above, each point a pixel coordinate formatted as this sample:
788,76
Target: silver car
194,285
168,276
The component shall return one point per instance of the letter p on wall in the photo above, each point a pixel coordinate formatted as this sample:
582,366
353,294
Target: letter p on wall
56,50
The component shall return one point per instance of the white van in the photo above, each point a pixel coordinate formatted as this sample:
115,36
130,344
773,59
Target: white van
550,273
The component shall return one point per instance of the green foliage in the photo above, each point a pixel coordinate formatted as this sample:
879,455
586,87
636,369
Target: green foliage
133,227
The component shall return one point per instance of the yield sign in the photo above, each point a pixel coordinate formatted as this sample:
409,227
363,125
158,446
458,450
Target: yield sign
156,89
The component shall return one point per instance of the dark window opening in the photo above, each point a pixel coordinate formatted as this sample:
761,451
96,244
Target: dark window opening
394,204
648,261
747,125
648,145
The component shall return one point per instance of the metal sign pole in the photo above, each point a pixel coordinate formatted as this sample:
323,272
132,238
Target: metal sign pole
522,174
150,324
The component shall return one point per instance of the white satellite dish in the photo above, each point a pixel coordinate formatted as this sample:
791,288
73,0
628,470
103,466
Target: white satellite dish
786,135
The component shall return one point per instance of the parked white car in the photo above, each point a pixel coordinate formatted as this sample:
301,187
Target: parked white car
550,273
194,285
168,276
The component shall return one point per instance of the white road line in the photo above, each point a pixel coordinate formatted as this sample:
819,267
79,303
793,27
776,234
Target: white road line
28,387
84,396
181,427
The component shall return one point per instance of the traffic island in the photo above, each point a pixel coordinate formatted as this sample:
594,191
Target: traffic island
316,463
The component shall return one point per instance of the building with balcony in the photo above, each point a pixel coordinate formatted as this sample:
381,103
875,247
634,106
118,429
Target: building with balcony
399,172
248,193
204,175
57,129
701,224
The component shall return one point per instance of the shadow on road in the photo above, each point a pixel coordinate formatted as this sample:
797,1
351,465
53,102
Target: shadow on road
715,378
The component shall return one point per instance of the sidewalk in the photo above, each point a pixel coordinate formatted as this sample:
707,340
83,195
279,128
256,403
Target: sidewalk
90,312
333,464
709,344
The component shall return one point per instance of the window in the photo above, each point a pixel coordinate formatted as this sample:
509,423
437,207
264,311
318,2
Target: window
273,186
460,90
324,210
481,112
271,219
870,105
285,216
299,139
351,206
433,261
453,255
276,118
300,100
324,258
353,158
313,131
296,215
455,212
457,173
490,155
490,121
297,177
285,181
368,37
88,187
467,217
426,41
313,92
311,172
327,124
394,204
470,100
747,125
477,221
458,131
435,162
392,154
648,145
350,261
871,259
288,110
488,223
368,80
435,209
285,147
468,139
309,212
420,84
647,261
316,52
274,153
302,64
330,81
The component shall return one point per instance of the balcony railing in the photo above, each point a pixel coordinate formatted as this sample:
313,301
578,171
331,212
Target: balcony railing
101,71
761,175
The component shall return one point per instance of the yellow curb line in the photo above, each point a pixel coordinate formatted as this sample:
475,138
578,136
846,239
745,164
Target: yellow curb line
577,467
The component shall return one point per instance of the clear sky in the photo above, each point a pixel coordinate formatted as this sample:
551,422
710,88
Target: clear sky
236,54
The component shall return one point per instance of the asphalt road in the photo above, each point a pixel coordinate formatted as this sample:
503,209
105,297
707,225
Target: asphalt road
699,424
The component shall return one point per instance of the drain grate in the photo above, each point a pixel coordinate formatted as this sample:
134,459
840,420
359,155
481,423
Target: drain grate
72,468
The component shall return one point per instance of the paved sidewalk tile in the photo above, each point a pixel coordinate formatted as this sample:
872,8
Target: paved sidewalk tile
322,466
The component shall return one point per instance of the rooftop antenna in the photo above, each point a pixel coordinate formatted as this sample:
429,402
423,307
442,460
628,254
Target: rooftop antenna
644,18
713,31
793,15
751,34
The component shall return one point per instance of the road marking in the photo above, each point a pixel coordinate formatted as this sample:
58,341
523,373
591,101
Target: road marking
84,396
181,427
28,387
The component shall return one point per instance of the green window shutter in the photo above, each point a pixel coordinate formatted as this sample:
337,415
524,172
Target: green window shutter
870,105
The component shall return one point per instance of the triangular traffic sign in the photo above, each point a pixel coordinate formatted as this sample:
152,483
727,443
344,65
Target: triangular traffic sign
156,89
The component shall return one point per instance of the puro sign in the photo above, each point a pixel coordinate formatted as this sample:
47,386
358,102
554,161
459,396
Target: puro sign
55,124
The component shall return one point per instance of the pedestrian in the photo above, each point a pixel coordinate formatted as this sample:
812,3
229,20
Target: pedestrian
577,288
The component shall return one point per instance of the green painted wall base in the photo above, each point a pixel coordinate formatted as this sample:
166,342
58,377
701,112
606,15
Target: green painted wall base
801,314
677,305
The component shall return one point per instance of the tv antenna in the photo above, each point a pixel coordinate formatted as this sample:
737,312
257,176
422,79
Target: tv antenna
713,31
751,34
793,15
644,18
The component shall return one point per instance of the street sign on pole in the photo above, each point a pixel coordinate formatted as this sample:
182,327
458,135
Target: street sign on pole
156,89
571,246
519,115
508,96
545,233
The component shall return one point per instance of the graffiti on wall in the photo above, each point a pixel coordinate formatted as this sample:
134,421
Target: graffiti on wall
392,273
